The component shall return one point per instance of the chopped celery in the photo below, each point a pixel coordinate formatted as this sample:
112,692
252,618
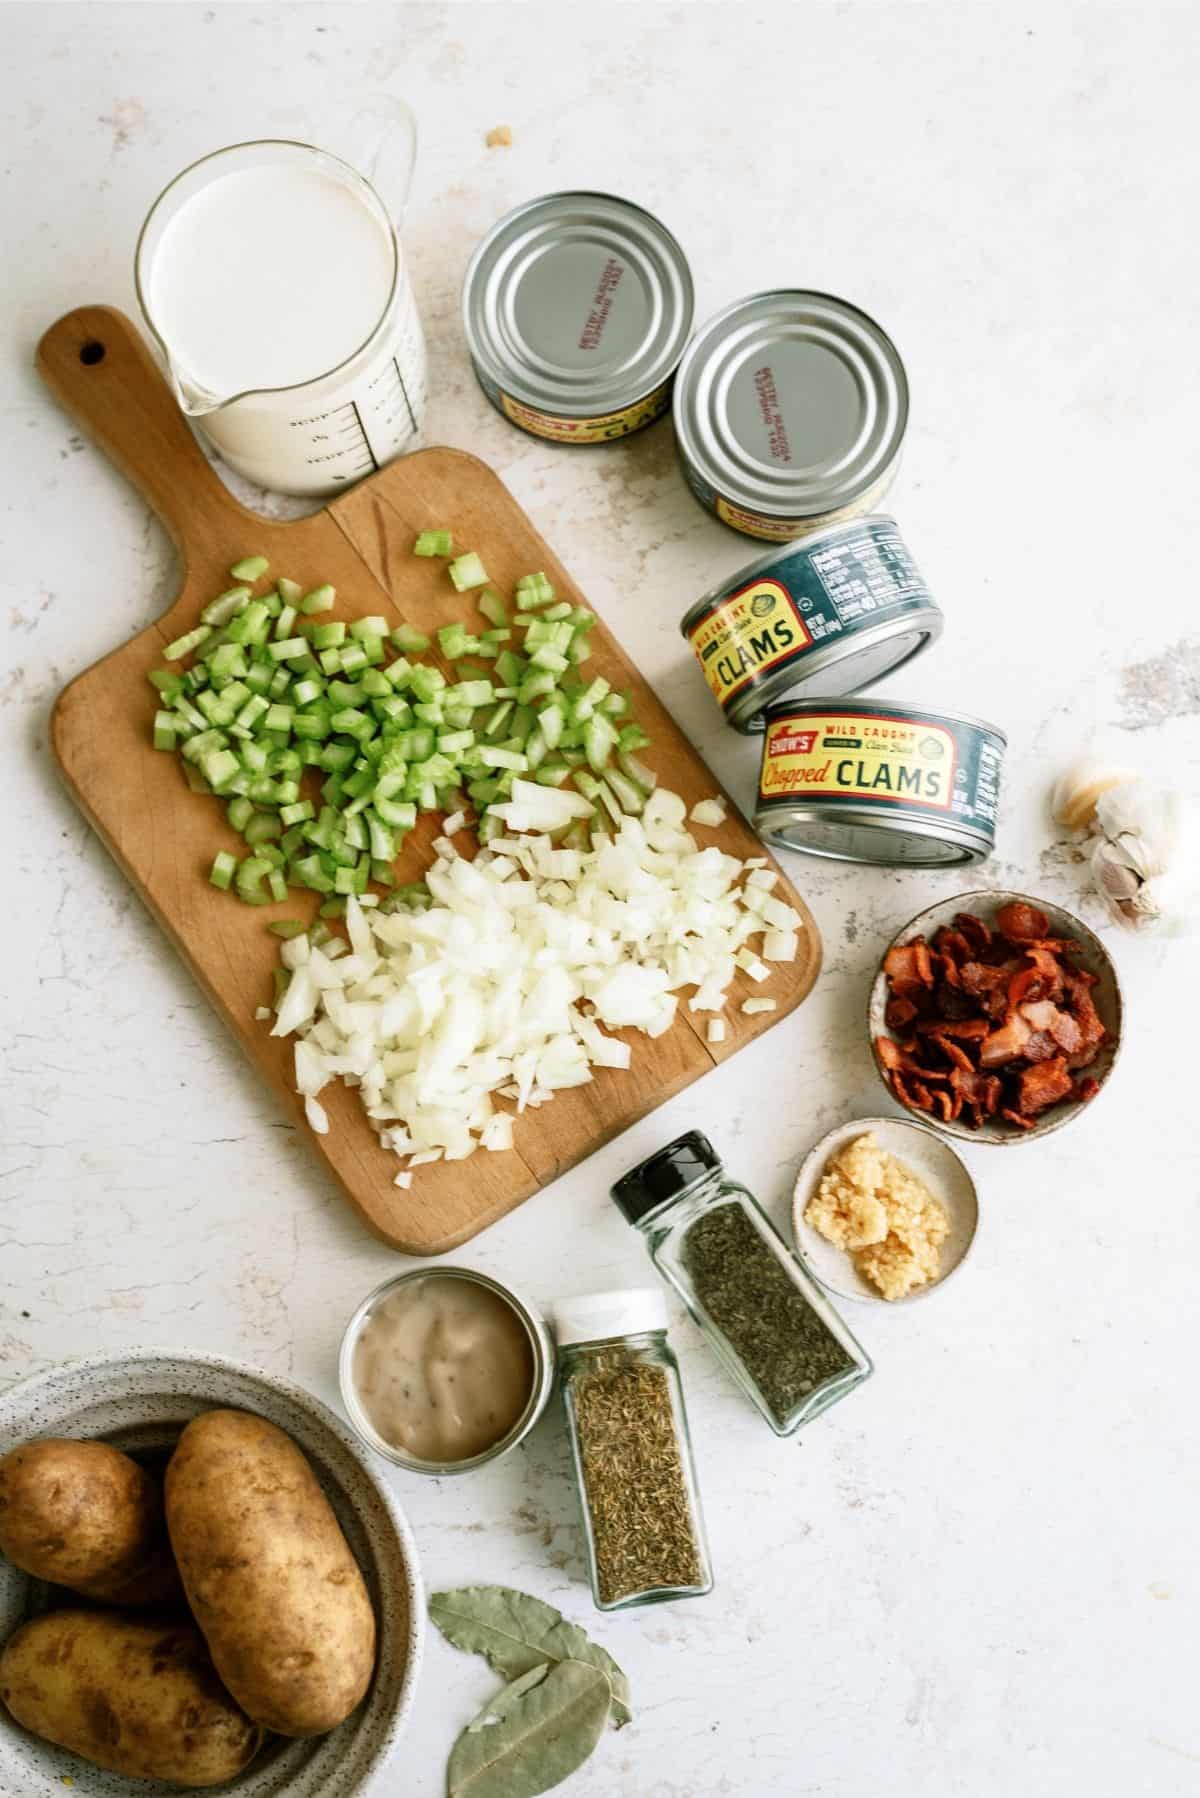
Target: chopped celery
466,572
319,599
249,568
167,727
183,646
220,610
223,870
493,608
434,543
408,641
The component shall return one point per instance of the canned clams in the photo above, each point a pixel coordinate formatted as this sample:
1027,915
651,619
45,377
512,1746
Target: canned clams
576,309
897,785
790,410
836,611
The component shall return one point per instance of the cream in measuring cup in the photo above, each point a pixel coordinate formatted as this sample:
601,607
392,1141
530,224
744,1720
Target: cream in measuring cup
275,284
443,1369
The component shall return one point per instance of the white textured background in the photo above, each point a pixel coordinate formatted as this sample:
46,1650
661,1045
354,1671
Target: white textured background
979,1576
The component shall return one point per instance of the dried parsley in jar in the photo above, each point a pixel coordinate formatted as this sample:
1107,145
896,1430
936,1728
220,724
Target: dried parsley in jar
769,1322
632,1450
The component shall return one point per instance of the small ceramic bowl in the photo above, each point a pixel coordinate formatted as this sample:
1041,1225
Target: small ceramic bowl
932,1159
1090,955
140,1403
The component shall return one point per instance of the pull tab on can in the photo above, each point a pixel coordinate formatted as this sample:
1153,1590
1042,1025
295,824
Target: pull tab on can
275,286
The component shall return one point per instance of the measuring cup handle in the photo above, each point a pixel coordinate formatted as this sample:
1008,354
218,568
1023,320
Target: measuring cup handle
99,368
382,145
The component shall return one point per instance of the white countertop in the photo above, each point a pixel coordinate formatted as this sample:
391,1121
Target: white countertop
978,1576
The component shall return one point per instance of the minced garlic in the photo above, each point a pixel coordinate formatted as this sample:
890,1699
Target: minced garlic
876,1208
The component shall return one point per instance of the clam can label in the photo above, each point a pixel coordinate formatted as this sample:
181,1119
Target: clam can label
605,428
836,611
898,767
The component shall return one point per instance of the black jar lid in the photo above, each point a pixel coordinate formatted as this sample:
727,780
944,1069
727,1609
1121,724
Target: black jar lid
664,1175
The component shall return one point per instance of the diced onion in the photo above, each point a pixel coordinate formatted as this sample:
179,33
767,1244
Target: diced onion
508,985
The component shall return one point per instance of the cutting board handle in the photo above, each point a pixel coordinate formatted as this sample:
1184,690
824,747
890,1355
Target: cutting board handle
99,368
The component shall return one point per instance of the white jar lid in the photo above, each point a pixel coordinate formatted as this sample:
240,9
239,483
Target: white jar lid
597,1316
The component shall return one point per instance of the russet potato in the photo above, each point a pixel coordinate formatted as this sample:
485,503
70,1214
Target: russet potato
268,1574
83,1515
128,1694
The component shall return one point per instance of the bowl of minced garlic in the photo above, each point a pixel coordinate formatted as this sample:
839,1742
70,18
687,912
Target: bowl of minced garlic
884,1209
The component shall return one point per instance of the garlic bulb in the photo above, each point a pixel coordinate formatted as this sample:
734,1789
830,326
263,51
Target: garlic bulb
1145,837
1146,859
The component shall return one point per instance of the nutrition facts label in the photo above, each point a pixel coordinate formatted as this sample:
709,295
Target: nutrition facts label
865,570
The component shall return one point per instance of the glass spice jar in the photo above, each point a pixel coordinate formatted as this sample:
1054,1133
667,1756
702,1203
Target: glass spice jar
769,1322
632,1450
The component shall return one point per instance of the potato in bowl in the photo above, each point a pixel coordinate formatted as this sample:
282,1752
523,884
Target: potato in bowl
142,1403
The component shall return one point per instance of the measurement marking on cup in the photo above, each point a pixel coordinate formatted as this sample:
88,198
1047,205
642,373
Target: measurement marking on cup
363,429
412,417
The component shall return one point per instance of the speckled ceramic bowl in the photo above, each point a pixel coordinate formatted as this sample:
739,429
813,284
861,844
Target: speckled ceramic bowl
1106,996
140,1402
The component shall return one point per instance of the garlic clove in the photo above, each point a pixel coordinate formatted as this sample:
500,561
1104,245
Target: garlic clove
1078,791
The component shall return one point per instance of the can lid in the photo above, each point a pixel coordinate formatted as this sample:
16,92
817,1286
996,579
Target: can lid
791,403
597,1316
663,1175
577,303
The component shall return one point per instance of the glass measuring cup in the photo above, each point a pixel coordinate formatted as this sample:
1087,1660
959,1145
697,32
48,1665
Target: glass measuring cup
317,435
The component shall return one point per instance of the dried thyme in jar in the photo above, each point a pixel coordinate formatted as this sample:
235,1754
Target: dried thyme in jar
769,1322
632,1452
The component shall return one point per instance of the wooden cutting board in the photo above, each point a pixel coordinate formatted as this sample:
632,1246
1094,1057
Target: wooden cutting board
165,837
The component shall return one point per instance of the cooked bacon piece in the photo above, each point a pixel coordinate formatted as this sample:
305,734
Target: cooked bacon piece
1086,1089
1078,988
949,1002
979,979
952,945
903,1094
1006,1043
980,1090
1014,1117
974,929
945,1105
922,1098
1044,1015
908,965
897,1058
968,1029
1021,923
988,985
899,1013
954,1055
1043,1085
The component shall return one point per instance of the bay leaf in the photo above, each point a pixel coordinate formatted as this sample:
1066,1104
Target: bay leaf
515,1632
496,1711
535,1733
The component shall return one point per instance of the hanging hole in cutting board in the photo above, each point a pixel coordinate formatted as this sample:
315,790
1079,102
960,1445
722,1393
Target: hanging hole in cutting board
91,353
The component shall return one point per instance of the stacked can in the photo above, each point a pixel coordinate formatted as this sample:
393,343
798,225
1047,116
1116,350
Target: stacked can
790,413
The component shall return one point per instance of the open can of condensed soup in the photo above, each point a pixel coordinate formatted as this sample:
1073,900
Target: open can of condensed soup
444,1369
865,781
790,410
832,613
576,309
